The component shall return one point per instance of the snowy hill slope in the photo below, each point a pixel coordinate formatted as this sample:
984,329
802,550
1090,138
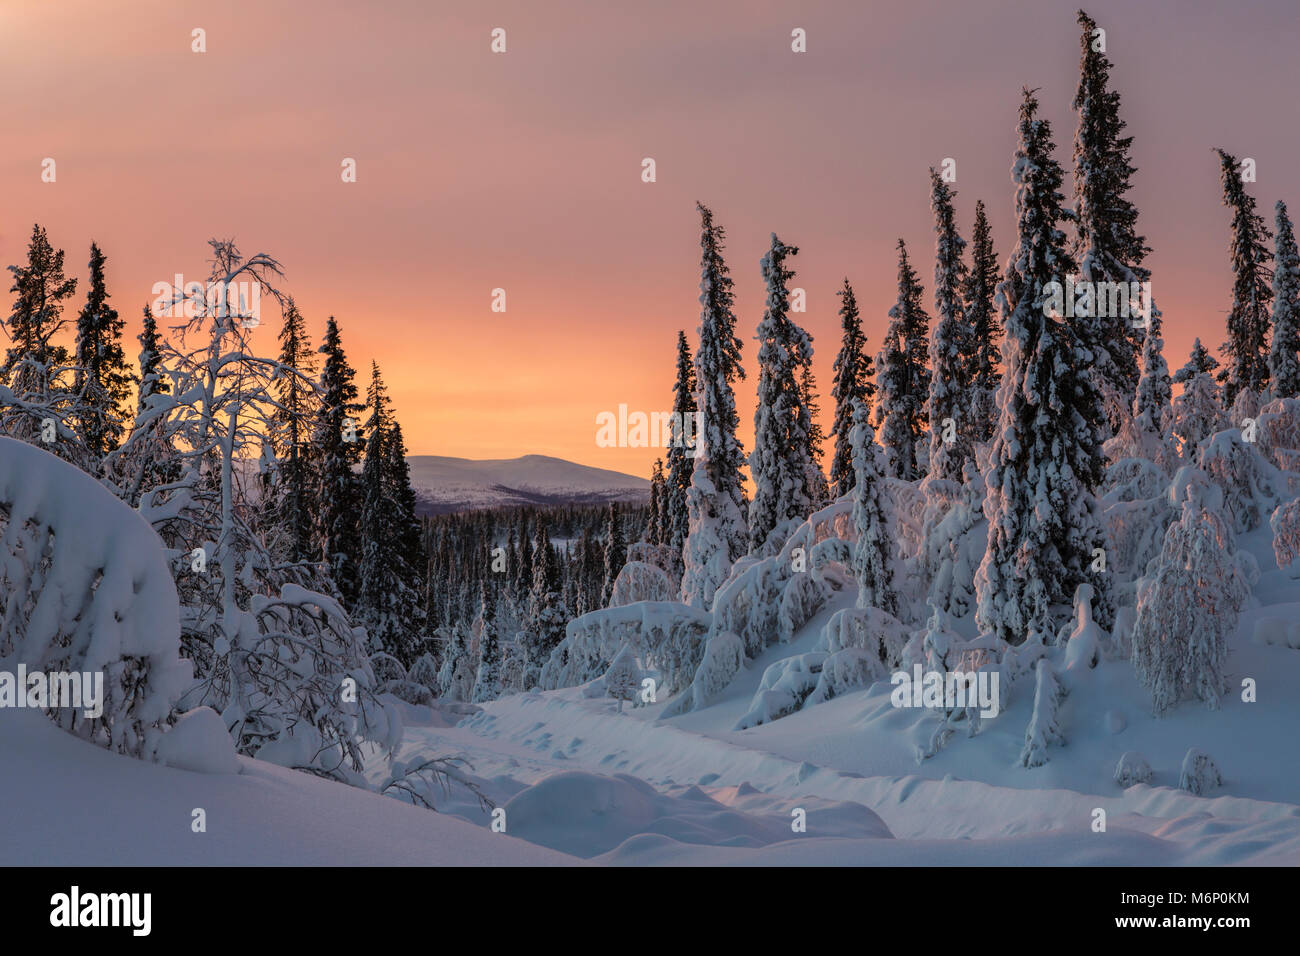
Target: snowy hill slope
444,485
70,803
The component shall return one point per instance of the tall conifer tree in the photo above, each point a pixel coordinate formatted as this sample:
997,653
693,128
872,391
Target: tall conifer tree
1245,353
1045,529
103,381
902,376
852,382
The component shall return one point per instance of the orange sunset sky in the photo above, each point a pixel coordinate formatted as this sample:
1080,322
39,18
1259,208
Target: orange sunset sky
522,170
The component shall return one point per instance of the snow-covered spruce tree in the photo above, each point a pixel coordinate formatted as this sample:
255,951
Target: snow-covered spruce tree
456,675
149,459
103,380
781,462
338,443
1246,350
277,658
1144,433
716,506
37,404
950,344
1154,391
1199,361
1045,463
680,461
1107,247
654,531
546,615
852,382
390,600
819,489
409,540
872,553
1283,367
984,331
1196,414
487,682
1187,607
292,498
615,553
902,377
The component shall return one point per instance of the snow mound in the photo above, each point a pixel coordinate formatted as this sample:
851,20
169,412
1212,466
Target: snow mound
586,814
199,742
87,588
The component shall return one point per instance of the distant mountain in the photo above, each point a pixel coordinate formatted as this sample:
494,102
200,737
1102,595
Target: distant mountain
443,485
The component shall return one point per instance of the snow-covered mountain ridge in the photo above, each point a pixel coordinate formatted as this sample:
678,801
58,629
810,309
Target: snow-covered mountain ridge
443,485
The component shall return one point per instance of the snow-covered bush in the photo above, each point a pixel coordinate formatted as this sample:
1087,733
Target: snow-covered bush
1136,530
1187,607
1250,484
785,686
724,656
831,551
295,669
847,670
1245,406
955,546
663,556
84,588
1083,648
623,678
425,671
866,628
748,603
1132,769
1278,433
1140,439
456,675
1284,522
1134,479
639,581
1199,773
666,636
1044,727
802,597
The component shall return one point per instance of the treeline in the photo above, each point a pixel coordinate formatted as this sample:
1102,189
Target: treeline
1003,382
317,478
532,570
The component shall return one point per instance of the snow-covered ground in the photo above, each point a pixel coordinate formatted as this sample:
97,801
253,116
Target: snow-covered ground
696,791
579,780
68,802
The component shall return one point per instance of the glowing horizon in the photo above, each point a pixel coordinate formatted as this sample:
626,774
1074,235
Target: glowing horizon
522,171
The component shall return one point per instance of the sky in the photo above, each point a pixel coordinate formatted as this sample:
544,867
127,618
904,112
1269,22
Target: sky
522,170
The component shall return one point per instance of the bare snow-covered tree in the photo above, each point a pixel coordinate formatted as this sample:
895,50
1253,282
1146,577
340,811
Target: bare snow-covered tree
277,657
